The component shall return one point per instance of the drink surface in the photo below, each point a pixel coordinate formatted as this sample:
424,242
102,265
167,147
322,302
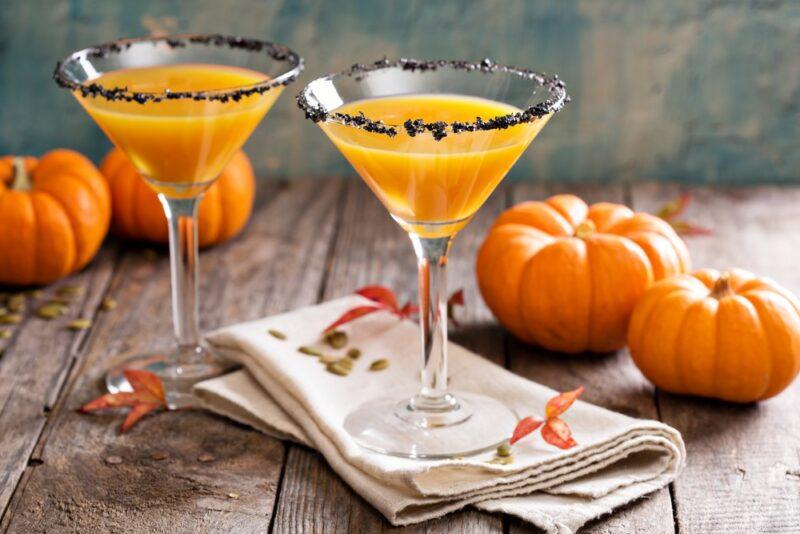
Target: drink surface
180,145
432,187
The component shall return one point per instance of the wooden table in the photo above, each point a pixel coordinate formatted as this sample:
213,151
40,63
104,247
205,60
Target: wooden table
313,240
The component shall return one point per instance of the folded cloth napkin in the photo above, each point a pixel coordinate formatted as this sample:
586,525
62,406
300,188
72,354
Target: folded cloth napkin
291,395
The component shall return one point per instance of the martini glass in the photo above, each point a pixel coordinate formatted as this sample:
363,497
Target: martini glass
180,107
432,139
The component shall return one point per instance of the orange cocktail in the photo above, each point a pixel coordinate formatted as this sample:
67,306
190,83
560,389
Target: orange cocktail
424,181
180,145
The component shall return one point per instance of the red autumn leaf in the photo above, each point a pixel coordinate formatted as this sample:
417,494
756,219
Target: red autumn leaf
561,402
408,310
673,209
147,395
525,427
380,294
353,314
456,299
557,433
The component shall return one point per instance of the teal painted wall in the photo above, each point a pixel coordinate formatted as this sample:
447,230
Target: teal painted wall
690,90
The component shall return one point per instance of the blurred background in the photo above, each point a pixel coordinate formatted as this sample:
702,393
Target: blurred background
701,91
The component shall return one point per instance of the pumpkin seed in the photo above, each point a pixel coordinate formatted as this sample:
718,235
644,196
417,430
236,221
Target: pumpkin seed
16,302
504,450
309,351
347,363
5,333
379,365
69,291
277,334
51,311
501,460
79,324
354,354
34,293
10,318
329,358
108,304
337,369
3,311
233,495
336,339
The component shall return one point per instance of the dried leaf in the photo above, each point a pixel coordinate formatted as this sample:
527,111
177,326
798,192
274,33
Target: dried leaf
673,209
561,402
380,294
686,228
353,314
524,427
557,433
456,299
147,396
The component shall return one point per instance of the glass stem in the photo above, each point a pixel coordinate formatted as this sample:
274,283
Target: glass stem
182,217
432,266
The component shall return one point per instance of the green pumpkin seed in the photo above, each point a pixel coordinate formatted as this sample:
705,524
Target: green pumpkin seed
347,363
354,354
277,334
336,339
80,324
34,293
337,369
3,311
10,318
5,333
379,365
504,450
51,311
108,304
69,291
16,302
309,351
329,358
502,460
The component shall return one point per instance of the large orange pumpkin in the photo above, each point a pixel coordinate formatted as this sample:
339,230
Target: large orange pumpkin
730,336
54,214
222,213
566,276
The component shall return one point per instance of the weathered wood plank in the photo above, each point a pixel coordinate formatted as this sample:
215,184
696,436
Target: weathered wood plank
743,461
277,264
372,249
34,365
611,380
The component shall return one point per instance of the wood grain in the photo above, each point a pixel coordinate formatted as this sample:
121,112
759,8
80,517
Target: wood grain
216,475
611,381
743,470
371,249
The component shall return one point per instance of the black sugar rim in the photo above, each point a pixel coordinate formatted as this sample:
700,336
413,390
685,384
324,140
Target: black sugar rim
439,130
276,52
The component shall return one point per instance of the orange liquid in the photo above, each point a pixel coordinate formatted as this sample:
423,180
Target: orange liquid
180,145
432,187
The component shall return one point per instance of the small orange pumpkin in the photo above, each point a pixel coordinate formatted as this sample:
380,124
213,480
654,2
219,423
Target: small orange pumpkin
730,336
222,213
566,276
54,214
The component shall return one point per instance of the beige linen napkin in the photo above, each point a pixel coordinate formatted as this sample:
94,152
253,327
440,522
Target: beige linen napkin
290,395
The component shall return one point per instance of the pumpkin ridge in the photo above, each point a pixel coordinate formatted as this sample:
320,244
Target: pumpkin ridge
80,245
644,356
767,341
680,373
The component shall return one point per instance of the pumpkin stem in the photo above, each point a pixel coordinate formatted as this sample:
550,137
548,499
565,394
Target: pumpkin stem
585,229
21,180
722,287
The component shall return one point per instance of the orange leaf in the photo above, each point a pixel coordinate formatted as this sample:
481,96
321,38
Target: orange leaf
561,402
525,427
456,299
380,294
353,314
689,229
675,207
146,384
138,411
110,400
557,433
407,310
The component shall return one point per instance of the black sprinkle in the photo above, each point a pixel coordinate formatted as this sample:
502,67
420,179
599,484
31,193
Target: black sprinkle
276,52
439,130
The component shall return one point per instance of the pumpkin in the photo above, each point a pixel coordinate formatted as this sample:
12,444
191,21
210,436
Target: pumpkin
138,214
731,336
566,276
54,214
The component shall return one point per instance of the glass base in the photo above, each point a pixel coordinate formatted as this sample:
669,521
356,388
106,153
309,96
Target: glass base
178,371
467,424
